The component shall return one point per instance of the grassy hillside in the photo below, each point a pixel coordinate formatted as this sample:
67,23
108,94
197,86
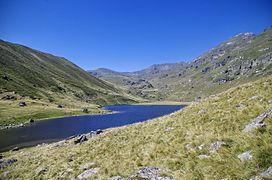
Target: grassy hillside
179,143
30,75
240,59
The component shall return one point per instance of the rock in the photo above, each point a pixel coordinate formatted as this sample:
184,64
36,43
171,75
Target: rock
215,146
85,110
202,111
203,156
189,146
264,175
5,77
22,125
4,175
240,107
87,165
64,175
116,178
245,156
22,103
8,162
70,158
40,170
93,134
1,156
88,173
81,139
169,129
15,149
258,121
31,120
149,172
60,106
200,147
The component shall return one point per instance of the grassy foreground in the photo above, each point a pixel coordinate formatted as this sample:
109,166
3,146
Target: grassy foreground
162,143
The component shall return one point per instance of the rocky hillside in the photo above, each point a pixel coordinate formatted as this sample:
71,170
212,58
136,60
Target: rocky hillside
241,59
226,136
38,85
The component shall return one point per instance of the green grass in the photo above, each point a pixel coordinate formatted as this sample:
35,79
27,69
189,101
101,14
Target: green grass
123,151
11,113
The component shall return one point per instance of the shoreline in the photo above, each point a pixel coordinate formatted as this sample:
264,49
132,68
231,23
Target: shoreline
103,111
21,125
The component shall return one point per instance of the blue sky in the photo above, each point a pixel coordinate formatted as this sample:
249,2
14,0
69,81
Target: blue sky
128,35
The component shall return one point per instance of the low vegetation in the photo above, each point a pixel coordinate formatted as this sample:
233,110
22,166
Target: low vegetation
175,143
45,81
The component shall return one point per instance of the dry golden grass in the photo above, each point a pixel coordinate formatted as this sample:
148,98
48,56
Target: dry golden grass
162,143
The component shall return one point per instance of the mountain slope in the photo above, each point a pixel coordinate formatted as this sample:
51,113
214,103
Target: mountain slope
241,59
184,144
30,74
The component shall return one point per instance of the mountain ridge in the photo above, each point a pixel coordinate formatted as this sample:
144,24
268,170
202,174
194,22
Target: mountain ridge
224,66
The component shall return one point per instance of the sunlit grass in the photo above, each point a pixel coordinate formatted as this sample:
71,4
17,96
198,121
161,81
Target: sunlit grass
162,142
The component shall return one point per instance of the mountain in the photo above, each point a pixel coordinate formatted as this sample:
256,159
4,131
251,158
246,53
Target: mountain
30,75
241,59
205,140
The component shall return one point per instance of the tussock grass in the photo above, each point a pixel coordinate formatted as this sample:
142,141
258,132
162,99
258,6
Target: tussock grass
162,142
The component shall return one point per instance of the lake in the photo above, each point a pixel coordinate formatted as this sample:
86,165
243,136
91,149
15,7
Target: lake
56,129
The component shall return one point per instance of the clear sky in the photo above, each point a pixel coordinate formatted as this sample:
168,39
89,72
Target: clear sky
127,35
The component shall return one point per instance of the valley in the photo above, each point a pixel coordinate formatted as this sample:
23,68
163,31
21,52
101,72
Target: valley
224,132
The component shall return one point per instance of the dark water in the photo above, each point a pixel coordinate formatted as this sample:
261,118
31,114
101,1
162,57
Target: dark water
61,128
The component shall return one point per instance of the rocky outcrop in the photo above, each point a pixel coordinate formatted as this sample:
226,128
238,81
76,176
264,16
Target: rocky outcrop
264,175
258,121
7,162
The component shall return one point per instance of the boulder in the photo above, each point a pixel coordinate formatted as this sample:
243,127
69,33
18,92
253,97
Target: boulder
245,156
85,110
5,77
60,106
201,111
88,173
22,103
95,133
31,120
81,139
8,162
